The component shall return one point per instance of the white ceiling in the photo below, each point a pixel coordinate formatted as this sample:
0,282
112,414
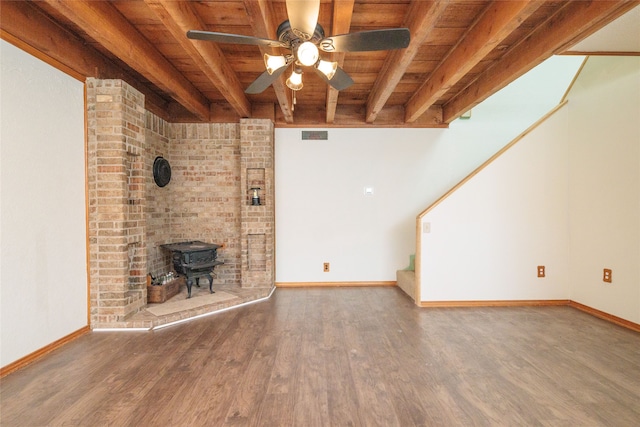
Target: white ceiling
622,35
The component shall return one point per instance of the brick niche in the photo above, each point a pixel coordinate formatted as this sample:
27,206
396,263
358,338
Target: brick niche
258,234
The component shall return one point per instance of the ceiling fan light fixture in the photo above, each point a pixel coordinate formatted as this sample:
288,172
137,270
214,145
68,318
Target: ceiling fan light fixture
274,62
308,54
327,68
302,36
294,82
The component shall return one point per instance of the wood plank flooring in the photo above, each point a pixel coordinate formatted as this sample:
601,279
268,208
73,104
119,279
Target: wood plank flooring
340,357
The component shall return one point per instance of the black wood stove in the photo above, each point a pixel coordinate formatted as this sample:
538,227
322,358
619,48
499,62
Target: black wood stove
194,260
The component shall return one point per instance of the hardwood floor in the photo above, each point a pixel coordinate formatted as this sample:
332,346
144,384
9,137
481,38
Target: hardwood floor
340,357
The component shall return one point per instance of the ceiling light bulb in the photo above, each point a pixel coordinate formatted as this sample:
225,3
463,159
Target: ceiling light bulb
274,62
294,82
308,54
327,68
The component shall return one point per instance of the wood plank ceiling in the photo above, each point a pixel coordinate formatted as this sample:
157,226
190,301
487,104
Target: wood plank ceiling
461,52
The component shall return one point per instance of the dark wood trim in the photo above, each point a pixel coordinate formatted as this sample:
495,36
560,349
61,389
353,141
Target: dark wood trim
333,284
605,316
24,361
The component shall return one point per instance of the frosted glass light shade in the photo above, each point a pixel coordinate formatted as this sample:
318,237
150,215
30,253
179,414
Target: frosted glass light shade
327,68
273,62
308,54
294,82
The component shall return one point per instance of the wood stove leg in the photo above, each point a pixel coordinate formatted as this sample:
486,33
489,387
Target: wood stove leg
189,284
210,283
197,281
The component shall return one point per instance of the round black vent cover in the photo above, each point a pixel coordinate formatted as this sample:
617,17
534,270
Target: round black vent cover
161,171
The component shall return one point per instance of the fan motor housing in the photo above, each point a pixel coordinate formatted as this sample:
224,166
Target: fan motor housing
289,37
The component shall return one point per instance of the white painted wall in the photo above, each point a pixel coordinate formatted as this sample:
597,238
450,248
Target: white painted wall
488,237
604,185
43,277
322,214
566,196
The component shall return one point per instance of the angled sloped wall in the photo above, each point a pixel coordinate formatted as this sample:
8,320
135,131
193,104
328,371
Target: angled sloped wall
486,239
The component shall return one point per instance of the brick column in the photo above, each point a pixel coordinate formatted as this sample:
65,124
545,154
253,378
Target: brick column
258,221
116,184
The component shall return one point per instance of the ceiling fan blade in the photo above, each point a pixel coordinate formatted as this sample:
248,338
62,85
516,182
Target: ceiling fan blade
231,38
340,80
303,16
264,80
366,41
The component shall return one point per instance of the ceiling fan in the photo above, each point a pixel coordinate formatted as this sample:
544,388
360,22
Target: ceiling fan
303,39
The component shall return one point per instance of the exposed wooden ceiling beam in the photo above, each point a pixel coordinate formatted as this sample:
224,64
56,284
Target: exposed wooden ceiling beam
41,36
178,18
341,24
264,25
352,115
105,24
420,20
498,21
579,17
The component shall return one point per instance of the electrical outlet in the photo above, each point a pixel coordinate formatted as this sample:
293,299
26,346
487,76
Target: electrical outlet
541,271
326,267
606,275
